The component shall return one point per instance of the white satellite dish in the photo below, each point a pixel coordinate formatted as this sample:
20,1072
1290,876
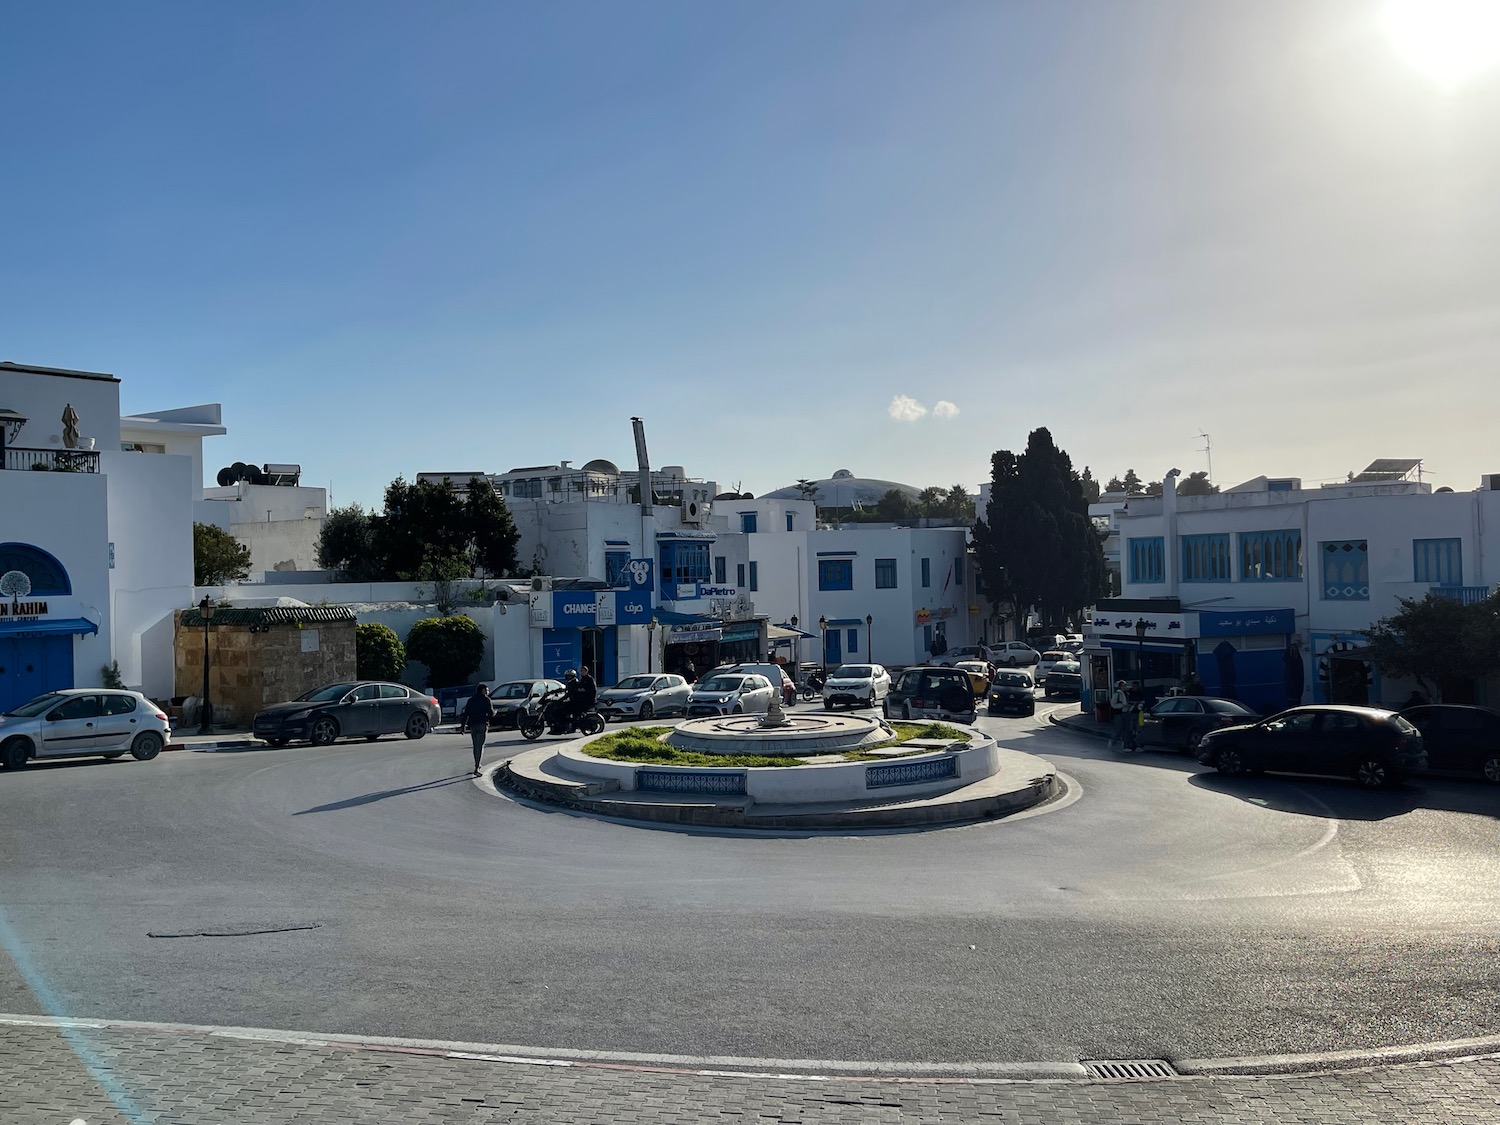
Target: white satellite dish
15,584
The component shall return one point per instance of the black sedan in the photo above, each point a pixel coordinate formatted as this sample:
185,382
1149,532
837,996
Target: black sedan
1459,737
354,709
1179,722
1373,746
1012,691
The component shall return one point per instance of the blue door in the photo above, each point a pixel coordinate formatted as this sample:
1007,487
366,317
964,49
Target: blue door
832,654
30,666
561,649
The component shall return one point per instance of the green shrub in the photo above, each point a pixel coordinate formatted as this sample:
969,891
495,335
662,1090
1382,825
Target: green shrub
110,675
451,647
378,652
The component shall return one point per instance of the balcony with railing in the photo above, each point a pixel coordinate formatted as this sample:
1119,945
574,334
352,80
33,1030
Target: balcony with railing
1468,595
53,460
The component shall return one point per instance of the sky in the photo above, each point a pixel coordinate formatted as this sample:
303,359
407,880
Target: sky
794,238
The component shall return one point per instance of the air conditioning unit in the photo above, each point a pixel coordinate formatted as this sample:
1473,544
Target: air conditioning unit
1490,482
694,512
540,585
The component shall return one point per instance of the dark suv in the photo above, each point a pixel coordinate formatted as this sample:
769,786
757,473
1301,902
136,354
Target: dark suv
1371,745
931,693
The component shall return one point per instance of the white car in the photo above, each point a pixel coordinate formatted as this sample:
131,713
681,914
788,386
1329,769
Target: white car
1014,654
83,722
1051,659
856,685
645,696
730,694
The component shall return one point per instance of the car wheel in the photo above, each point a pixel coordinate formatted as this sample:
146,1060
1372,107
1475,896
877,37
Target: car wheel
827,706
647,711
323,732
1195,740
1372,773
1491,769
417,726
1229,762
736,710
14,754
146,746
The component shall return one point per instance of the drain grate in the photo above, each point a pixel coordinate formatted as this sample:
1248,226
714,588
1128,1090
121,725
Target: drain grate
1129,1070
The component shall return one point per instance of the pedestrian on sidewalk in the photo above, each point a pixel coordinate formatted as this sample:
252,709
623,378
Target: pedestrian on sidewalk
478,712
1124,709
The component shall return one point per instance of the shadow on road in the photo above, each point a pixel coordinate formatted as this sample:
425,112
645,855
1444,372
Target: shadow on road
1344,800
370,798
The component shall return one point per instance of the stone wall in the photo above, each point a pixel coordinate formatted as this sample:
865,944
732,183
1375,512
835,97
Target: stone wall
249,670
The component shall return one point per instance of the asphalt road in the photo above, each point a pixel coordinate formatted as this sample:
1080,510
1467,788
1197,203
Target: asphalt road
1167,913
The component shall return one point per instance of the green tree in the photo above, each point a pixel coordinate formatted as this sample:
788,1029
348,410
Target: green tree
1132,485
930,502
1436,640
806,488
345,545
218,557
958,504
1090,486
378,652
451,647
895,507
1196,484
1036,546
492,533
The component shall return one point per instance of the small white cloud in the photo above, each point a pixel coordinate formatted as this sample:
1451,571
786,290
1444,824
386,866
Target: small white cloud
944,409
904,408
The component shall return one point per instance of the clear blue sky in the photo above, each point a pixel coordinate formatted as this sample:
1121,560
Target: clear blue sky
403,237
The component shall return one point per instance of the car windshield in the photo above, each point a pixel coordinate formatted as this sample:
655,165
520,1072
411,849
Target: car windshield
1012,679
636,683
1066,666
722,683
32,708
853,672
325,694
518,690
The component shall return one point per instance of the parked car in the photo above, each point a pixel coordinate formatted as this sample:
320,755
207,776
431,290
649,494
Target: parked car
1065,678
1050,658
645,696
775,673
352,709
931,692
856,685
730,693
963,652
1179,722
83,722
1014,654
1012,691
1458,737
1073,645
1373,746
978,672
511,697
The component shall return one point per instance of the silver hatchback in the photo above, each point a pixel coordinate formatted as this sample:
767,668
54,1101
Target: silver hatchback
83,722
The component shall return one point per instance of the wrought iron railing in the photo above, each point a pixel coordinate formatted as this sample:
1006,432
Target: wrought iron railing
55,460
1468,595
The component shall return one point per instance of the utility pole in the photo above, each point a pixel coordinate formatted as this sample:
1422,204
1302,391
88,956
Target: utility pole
1208,449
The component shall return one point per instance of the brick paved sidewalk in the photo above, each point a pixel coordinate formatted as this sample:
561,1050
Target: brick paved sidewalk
114,1076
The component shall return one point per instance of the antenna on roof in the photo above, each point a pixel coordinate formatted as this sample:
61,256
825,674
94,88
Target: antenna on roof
1208,449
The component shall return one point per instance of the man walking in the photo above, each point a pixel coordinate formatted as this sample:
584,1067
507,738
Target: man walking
1120,703
478,712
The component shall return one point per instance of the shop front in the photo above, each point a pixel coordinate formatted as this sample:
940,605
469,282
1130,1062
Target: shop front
39,621
690,643
580,629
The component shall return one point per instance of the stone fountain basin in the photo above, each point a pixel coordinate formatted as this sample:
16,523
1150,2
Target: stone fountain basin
799,736
915,775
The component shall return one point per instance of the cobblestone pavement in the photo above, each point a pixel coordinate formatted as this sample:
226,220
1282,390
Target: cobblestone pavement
50,1076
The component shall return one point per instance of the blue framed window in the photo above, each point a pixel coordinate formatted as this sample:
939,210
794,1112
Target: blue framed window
885,574
1205,558
853,645
1271,556
617,567
682,563
1346,570
926,572
755,576
747,522
739,575
721,570
1148,560
791,518
1439,561
49,578
835,574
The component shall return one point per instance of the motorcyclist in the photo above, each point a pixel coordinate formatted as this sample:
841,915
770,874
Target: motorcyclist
569,706
588,692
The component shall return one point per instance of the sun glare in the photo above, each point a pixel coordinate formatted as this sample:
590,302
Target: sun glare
1449,41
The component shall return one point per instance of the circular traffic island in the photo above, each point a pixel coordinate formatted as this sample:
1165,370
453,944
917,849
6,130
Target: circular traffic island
785,772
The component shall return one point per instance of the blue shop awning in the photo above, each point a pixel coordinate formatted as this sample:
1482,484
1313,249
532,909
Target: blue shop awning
672,617
50,628
845,621
1149,646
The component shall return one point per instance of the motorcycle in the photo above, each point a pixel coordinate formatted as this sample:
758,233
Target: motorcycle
550,714
811,687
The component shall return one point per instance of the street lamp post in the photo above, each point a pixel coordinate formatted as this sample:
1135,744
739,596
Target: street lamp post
206,611
796,650
823,628
1140,653
869,650
650,646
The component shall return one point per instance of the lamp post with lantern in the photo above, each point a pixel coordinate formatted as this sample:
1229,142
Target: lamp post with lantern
823,629
869,648
206,611
1140,654
796,649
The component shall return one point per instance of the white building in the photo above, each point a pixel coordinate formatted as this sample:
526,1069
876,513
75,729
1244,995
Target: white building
97,517
1272,585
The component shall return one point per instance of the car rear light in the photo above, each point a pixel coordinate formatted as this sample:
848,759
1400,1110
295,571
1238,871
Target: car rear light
160,716
433,700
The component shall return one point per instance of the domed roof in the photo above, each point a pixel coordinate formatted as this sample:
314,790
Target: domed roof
600,465
844,490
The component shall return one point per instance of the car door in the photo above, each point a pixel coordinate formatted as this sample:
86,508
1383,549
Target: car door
1283,742
117,723
1155,722
71,727
396,706
359,713
1341,738
1185,718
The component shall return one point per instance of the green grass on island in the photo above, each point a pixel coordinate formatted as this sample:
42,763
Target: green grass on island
644,745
